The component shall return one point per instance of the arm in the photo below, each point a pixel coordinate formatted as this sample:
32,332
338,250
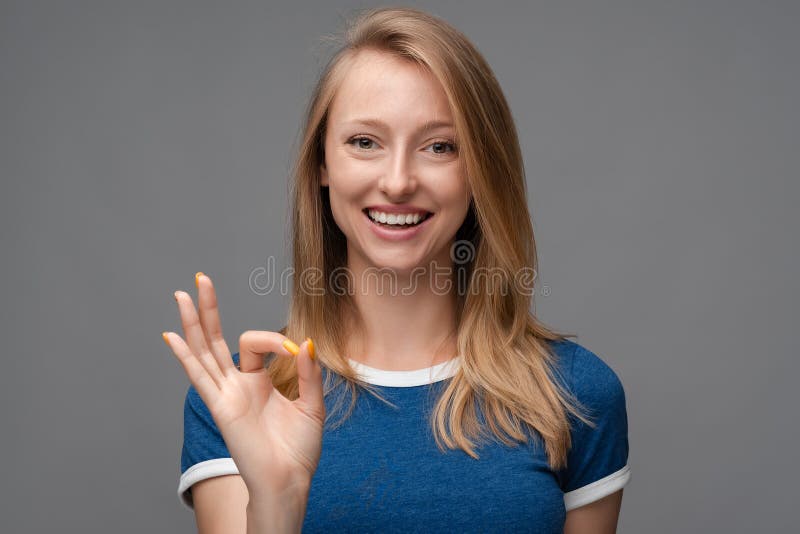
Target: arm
223,506
599,517
598,466
220,505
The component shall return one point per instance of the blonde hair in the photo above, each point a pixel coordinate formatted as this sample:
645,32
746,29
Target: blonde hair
508,368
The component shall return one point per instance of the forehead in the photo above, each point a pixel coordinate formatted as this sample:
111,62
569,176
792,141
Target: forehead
380,84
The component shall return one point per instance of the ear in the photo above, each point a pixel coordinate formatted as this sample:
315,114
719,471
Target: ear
323,175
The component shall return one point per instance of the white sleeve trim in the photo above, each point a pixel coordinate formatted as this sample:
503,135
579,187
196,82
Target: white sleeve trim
597,489
201,471
572,499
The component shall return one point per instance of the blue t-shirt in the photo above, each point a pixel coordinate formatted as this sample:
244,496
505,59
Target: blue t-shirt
381,470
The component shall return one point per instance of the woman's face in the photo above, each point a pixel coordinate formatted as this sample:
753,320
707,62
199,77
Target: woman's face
389,151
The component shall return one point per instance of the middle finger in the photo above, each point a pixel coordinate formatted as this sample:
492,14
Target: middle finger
195,338
209,319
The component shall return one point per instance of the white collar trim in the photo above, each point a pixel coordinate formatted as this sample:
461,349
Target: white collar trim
404,379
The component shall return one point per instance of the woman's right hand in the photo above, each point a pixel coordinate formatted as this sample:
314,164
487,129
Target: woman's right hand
274,442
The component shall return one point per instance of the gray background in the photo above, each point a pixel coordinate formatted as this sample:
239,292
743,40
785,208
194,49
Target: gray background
144,141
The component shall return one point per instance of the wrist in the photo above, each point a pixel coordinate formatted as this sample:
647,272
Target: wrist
290,491
283,487
277,510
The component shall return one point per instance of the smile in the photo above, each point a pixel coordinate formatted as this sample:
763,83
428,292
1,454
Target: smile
396,220
404,226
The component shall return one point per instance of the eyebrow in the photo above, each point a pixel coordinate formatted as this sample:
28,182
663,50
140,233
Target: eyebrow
377,123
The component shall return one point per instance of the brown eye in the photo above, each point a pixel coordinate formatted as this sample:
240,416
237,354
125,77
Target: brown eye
442,147
362,143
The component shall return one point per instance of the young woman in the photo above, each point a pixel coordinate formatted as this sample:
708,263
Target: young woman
414,258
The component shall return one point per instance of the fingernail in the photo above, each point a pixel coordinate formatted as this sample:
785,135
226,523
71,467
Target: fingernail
166,339
197,278
292,347
176,296
310,347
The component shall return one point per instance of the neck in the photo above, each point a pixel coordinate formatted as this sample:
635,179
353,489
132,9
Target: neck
408,319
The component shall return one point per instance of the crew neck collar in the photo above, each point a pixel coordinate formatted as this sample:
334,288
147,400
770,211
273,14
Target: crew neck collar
404,379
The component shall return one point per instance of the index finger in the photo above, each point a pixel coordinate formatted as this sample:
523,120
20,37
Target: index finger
254,344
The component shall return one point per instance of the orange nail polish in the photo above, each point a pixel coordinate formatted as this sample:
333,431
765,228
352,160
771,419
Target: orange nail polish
197,278
310,347
292,347
166,339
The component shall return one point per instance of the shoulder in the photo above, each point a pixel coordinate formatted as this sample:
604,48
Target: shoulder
597,463
588,376
592,382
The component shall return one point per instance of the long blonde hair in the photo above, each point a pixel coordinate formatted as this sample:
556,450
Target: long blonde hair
508,368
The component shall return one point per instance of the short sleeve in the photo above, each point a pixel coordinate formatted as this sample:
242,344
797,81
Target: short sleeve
204,453
597,463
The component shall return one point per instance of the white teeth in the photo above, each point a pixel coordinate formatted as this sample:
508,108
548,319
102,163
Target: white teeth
394,218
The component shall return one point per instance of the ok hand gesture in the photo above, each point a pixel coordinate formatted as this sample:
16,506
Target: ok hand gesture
274,442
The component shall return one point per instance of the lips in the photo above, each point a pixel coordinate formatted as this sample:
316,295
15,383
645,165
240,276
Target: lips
397,209
397,233
424,215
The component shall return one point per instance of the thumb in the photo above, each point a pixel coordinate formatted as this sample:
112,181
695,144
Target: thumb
309,379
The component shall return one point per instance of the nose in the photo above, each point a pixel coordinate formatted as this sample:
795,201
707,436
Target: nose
398,180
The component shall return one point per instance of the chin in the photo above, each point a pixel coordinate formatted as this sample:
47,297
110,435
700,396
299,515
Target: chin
398,265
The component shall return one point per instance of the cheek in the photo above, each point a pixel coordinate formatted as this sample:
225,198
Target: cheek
454,198
348,185
451,188
347,175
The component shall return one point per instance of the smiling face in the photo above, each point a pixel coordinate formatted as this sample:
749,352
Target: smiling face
390,148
